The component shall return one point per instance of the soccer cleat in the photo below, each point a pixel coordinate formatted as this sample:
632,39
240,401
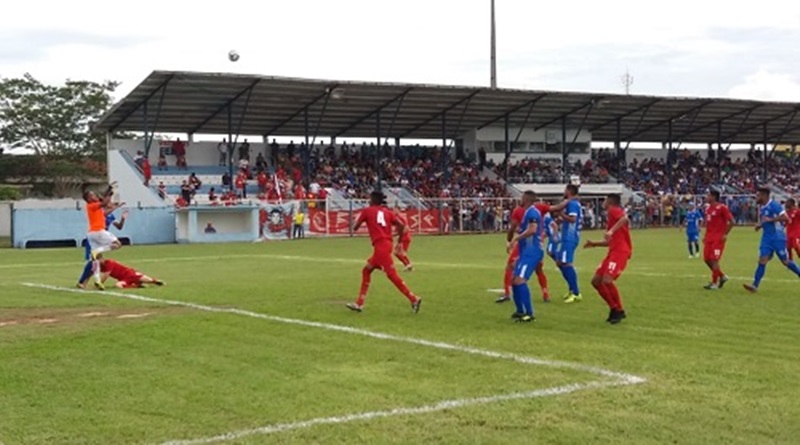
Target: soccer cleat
711,286
159,283
517,315
750,288
546,298
99,286
691,257
525,318
355,307
573,298
722,281
502,299
616,317
610,315
415,305
409,268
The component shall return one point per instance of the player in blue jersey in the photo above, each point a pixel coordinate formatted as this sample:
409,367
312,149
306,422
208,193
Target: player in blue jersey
772,223
111,221
693,219
528,240
552,236
570,213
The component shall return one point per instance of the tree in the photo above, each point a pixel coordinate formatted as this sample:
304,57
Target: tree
53,120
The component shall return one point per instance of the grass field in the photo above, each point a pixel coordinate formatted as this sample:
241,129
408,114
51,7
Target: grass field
84,367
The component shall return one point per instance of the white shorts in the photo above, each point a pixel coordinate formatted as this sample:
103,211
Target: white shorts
101,239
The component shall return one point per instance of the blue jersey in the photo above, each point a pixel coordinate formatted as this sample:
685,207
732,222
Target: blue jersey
693,221
552,237
532,245
773,230
571,231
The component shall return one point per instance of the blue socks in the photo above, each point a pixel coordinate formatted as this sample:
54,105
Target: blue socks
522,298
571,276
760,271
87,272
793,267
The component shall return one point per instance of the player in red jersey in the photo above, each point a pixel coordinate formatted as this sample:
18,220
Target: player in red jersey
719,223
126,277
793,228
405,242
513,226
379,221
620,249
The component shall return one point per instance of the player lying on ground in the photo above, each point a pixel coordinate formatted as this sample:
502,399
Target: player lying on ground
528,242
513,256
380,220
570,213
719,223
99,238
620,248
793,228
772,218
405,241
111,221
126,277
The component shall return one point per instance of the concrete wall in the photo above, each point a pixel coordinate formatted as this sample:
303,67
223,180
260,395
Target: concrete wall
131,188
197,153
144,226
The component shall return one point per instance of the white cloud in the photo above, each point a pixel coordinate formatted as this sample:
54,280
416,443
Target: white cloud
765,85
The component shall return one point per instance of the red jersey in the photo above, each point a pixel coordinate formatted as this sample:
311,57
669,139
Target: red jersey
542,207
379,221
621,239
407,232
517,214
717,217
793,227
117,270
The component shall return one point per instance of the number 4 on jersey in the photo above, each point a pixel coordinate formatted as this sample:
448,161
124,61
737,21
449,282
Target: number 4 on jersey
381,219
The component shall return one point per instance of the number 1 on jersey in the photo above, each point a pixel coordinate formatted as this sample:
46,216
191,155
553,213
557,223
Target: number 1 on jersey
381,218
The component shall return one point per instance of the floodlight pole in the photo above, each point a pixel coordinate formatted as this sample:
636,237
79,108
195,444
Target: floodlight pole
378,186
493,43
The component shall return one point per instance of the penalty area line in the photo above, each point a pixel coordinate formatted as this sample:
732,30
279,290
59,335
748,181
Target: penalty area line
425,409
617,378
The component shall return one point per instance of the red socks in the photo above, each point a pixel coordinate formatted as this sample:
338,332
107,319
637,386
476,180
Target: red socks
540,275
366,275
400,284
716,274
610,294
507,282
404,259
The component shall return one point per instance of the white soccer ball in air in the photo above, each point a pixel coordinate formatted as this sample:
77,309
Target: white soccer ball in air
233,55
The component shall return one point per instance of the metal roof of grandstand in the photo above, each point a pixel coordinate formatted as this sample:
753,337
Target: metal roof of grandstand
192,102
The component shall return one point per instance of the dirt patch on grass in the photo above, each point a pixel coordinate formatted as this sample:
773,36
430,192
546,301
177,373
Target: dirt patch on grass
79,315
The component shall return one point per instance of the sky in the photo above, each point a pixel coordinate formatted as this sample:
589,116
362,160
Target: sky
689,48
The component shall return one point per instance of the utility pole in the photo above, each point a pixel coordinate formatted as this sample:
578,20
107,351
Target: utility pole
493,43
627,81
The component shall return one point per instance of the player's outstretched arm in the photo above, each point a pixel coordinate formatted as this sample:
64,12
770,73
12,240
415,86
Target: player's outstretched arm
592,244
401,230
556,209
121,223
104,277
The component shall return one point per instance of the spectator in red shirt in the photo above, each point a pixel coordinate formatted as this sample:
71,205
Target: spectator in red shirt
179,149
146,171
241,185
262,182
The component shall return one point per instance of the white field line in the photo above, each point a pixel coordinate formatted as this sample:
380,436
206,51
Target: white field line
618,378
443,265
439,406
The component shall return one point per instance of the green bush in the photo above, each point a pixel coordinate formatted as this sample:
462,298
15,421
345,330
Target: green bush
9,193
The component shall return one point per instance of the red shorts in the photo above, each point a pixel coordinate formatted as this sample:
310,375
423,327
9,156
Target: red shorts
513,256
613,264
381,256
793,243
406,243
132,281
713,249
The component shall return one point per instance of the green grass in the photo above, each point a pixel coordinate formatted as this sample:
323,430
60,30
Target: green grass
721,367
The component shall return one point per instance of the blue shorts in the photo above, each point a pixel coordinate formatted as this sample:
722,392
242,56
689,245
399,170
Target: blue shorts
527,264
693,237
777,247
552,249
566,254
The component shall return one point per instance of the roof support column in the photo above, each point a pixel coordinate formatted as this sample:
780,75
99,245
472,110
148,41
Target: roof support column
766,155
306,150
148,134
618,149
670,176
564,150
507,145
378,186
445,154
719,150
229,157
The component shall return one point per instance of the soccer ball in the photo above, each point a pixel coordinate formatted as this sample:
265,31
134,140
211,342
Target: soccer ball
233,55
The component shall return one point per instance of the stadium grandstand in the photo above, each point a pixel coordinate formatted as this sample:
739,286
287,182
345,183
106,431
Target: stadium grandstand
348,138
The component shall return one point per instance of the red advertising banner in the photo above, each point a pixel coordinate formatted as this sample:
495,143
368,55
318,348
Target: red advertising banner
337,222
